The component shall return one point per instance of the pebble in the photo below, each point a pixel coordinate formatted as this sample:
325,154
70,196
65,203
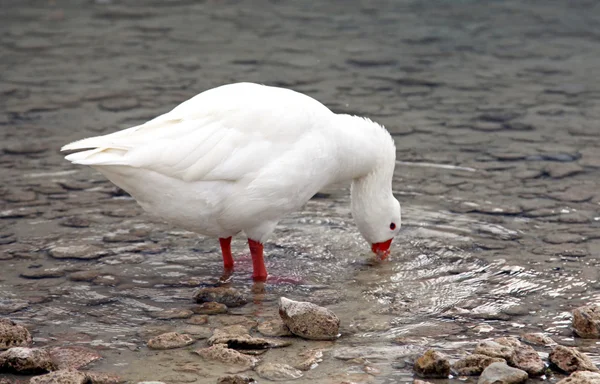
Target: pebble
278,372
560,170
500,373
537,339
13,335
18,196
569,359
18,213
84,275
586,321
432,364
309,359
119,104
230,297
170,340
581,377
308,320
473,365
75,222
196,331
80,252
221,353
26,360
25,148
8,306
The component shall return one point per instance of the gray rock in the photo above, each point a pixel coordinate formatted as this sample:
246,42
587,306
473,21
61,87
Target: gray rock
432,364
174,313
309,359
569,359
581,377
170,340
560,170
308,320
586,321
13,335
494,349
278,372
500,373
228,296
43,273
26,360
473,365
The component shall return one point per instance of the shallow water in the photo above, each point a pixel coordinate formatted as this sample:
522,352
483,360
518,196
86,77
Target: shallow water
509,244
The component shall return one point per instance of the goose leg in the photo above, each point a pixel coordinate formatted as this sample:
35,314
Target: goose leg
258,263
226,251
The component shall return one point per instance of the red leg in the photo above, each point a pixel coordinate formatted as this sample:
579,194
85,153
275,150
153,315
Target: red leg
258,263
226,251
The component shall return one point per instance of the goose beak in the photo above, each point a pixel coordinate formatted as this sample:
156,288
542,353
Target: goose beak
382,249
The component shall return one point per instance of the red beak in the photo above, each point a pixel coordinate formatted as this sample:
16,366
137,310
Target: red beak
382,249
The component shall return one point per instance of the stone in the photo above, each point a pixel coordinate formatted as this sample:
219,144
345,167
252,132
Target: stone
494,349
569,359
228,296
119,104
63,376
26,360
432,364
197,319
39,273
196,331
309,359
88,275
560,170
170,340
538,339
210,308
586,321
236,379
274,328
500,373
13,335
28,148
308,320
473,365
75,222
417,381
581,377
74,357
80,252
244,341
278,372
525,357
221,353
174,313
103,378
8,306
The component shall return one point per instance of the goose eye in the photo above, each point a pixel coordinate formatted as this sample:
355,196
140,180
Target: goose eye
392,226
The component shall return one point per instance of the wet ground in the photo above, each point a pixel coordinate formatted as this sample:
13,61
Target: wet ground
507,244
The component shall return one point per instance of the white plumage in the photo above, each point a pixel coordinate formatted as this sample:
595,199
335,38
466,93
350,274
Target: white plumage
241,156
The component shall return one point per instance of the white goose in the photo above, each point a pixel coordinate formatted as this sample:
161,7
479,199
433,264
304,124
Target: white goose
241,156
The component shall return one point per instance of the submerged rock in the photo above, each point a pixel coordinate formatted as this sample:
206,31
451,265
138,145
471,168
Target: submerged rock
309,359
210,308
63,376
525,357
582,377
228,296
197,320
278,372
432,364
308,320
500,373
237,337
13,335
235,380
538,339
274,328
586,321
170,340
473,365
494,349
74,357
220,352
81,252
26,360
174,313
569,359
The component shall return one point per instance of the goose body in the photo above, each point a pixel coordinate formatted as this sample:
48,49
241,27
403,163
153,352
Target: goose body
241,156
